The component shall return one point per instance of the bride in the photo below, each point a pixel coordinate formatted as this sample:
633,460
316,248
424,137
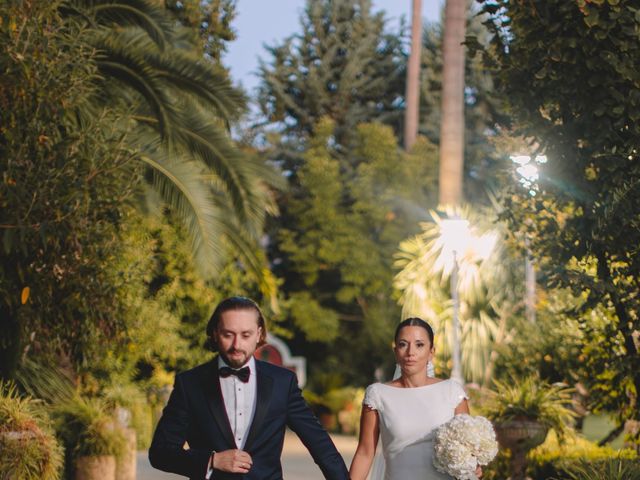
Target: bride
405,412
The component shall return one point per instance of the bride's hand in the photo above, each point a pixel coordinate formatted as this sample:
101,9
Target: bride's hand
479,471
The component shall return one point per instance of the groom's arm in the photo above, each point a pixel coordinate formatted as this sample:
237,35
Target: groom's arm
301,420
167,447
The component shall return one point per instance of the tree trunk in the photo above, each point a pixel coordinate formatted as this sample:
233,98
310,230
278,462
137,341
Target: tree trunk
412,95
452,127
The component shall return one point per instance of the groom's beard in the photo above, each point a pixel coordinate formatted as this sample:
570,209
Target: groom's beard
235,358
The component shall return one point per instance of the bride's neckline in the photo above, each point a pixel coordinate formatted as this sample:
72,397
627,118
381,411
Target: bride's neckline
414,388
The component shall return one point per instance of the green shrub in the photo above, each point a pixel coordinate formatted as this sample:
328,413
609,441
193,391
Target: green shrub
86,429
28,447
559,460
610,469
129,396
530,399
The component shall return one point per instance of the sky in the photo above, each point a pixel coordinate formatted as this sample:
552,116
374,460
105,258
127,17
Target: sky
260,22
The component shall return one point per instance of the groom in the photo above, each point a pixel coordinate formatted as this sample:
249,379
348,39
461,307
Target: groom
232,411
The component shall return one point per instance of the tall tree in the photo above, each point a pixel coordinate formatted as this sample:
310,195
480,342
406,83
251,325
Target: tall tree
339,230
452,126
209,20
412,95
568,71
485,168
343,65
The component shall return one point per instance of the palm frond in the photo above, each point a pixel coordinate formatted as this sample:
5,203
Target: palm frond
203,80
143,14
121,63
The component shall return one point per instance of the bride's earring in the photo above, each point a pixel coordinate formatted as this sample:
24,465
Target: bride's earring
431,371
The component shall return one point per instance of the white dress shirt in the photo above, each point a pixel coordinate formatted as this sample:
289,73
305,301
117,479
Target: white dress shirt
239,401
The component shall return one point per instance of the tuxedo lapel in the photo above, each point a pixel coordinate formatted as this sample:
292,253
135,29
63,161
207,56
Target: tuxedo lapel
264,387
215,402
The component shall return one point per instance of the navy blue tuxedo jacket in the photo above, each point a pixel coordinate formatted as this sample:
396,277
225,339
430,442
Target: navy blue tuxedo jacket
196,414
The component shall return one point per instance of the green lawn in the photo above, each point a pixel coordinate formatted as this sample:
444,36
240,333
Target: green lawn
596,427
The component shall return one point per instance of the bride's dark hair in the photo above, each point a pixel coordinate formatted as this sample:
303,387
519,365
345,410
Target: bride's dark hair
414,322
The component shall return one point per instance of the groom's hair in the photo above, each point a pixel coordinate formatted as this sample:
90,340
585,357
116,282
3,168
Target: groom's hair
235,303
414,322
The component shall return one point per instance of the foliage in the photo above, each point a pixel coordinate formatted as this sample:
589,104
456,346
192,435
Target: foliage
181,106
568,71
97,96
552,347
85,429
530,399
338,230
343,65
210,20
556,460
35,453
67,179
609,469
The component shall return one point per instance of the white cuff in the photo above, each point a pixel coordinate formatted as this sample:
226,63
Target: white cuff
210,469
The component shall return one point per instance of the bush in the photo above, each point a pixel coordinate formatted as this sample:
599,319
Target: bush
128,396
28,445
611,469
559,459
530,399
574,458
86,430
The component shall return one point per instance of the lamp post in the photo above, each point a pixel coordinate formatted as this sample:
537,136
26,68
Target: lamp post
528,175
456,238
456,371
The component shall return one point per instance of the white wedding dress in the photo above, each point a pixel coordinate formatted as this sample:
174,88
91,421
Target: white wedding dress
408,419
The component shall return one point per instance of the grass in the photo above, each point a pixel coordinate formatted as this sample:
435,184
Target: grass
596,427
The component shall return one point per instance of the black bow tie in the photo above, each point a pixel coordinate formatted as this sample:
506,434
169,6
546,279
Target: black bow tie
242,374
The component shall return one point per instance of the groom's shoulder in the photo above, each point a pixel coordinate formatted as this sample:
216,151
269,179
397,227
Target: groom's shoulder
274,370
196,372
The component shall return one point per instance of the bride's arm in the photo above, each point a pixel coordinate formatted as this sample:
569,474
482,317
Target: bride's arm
369,431
463,407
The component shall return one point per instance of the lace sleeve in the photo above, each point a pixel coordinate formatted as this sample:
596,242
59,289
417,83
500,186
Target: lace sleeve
371,399
457,393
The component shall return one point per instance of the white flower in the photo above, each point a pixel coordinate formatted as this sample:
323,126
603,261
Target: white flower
463,443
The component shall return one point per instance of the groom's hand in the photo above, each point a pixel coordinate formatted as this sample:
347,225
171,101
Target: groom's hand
479,471
232,461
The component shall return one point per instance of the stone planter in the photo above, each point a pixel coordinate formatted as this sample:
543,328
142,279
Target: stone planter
98,467
126,463
520,436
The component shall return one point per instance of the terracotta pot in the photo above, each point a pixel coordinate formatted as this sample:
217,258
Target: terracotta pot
98,467
126,463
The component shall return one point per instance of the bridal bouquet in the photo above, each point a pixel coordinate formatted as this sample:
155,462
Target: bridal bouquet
463,443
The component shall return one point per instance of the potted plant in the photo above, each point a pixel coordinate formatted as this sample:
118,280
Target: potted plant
90,437
28,447
128,404
523,412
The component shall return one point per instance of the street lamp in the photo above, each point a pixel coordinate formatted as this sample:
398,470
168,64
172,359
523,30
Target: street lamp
528,177
455,235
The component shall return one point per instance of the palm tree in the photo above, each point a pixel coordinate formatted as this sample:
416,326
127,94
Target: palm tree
413,78
181,106
452,126
485,284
